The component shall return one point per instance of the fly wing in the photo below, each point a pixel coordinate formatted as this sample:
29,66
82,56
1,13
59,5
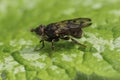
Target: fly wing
73,23
67,23
70,26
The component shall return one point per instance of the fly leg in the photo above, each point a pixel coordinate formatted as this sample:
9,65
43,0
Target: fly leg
52,44
42,41
65,37
36,48
75,41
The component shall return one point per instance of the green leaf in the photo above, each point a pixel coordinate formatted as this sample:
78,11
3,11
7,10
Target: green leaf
99,60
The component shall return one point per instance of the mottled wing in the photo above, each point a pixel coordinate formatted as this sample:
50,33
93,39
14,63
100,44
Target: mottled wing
79,22
73,23
66,25
70,27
